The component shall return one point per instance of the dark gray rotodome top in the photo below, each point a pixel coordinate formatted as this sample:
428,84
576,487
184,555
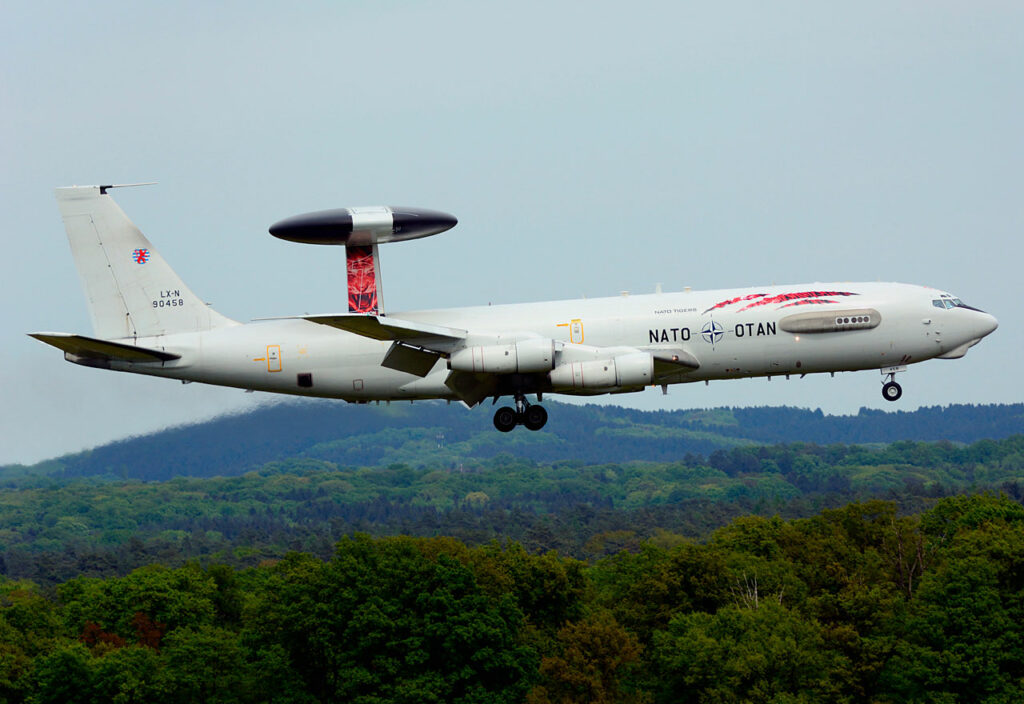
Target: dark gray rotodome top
363,226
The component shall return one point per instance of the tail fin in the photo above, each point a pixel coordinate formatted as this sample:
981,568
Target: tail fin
131,290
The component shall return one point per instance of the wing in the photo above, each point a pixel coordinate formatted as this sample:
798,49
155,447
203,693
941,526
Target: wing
415,347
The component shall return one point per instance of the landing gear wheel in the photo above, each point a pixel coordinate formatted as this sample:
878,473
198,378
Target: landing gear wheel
892,391
505,419
535,417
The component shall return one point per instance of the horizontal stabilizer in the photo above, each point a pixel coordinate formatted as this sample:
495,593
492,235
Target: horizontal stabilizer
379,327
78,348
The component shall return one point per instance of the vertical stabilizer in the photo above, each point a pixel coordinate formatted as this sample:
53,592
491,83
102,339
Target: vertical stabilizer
130,289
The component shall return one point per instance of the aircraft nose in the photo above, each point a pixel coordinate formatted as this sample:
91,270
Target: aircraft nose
987,324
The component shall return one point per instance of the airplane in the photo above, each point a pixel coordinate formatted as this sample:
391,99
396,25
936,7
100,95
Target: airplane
147,321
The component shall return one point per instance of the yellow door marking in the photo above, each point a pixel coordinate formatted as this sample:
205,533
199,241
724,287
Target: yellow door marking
575,330
273,358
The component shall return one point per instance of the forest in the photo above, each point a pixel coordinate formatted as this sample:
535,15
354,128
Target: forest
52,529
409,556
854,604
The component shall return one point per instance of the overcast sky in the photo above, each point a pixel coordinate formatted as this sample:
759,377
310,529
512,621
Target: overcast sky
586,148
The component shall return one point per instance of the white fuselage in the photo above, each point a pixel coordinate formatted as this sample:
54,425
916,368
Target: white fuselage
730,333
147,321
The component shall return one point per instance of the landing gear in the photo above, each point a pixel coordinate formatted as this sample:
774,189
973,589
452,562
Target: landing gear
891,391
533,417
505,419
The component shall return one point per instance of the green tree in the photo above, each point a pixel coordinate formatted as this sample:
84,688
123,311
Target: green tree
549,589
64,676
764,654
29,628
644,591
129,675
383,622
173,597
205,664
964,634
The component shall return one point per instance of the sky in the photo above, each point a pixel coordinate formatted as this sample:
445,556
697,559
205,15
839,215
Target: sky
586,148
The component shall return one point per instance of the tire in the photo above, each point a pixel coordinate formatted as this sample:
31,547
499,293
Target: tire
505,419
892,391
535,417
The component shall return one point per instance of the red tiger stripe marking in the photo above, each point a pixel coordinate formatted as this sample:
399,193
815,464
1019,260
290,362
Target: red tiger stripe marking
735,300
783,297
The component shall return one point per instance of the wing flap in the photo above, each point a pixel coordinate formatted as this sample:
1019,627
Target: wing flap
83,348
412,360
471,387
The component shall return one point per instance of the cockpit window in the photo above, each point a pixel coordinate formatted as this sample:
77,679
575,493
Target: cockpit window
945,302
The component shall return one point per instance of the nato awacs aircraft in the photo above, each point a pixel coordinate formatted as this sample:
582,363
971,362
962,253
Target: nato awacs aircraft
147,321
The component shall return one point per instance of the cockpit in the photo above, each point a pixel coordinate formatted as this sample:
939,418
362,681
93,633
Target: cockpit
947,301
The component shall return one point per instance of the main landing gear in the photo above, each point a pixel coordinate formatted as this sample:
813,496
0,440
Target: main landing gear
891,391
533,417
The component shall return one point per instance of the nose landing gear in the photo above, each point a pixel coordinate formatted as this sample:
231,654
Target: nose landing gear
891,391
533,417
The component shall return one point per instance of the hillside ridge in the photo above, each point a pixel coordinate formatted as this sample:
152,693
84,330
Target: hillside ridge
435,434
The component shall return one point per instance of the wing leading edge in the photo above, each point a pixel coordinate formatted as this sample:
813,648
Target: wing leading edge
380,327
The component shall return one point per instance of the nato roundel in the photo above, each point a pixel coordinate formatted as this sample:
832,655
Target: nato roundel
363,226
712,332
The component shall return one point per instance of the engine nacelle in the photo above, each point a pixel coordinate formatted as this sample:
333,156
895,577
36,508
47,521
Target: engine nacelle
634,369
524,357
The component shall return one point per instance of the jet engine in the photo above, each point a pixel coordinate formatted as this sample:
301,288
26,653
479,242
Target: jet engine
632,369
523,357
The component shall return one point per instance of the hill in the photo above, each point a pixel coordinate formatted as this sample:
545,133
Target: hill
437,435
248,488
